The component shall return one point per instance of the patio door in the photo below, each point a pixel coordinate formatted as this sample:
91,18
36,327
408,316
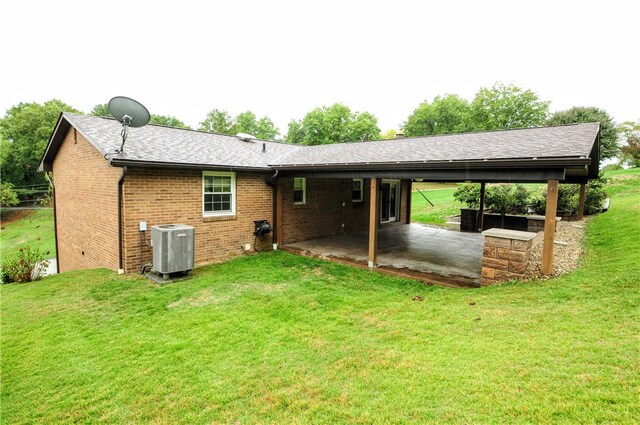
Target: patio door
389,200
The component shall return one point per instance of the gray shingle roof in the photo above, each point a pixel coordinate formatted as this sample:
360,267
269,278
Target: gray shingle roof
159,144
568,141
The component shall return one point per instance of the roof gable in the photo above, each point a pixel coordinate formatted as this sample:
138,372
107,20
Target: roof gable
168,146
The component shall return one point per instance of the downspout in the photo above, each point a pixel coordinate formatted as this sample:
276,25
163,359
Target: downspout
120,236
271,181
49,176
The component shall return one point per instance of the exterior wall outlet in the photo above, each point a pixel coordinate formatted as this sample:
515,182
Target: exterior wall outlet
143,226
343,225
247,247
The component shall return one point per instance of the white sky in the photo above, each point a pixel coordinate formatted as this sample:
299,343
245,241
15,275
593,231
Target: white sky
282,59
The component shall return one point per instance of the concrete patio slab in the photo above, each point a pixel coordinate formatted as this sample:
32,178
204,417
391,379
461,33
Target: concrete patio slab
412,247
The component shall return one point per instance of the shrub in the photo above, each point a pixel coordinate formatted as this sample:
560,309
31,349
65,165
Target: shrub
468,193
611,167
508,198
25,266
569,197
595,195
8,196
501,198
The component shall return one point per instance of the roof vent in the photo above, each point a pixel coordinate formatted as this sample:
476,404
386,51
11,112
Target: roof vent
246,137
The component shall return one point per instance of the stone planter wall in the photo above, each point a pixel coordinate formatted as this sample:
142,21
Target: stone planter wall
505,256
535,223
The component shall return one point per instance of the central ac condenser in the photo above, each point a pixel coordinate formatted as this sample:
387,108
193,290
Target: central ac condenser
173,248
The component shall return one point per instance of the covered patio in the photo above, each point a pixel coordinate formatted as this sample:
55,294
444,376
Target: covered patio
551,155
433,253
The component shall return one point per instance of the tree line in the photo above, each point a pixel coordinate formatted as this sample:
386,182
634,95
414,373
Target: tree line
25,128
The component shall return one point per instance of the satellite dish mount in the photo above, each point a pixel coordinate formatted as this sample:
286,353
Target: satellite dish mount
129,113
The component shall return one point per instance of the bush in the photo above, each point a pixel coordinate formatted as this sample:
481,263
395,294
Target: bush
27,265
468,193
501,198
569,197
8,195
595,195
611,167
508,198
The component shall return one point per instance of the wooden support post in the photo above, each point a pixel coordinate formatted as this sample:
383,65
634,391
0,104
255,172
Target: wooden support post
374,219
409,193
549,227
279,222
583,188
481,211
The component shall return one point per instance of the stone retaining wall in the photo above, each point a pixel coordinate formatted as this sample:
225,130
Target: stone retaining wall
535,223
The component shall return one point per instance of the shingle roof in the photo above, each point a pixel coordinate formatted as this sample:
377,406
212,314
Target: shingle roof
160,144
567,141
164,146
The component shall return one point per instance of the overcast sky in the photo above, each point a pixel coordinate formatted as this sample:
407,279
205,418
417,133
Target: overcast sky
282,59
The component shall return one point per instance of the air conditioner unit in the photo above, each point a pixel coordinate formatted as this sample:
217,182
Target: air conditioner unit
173,248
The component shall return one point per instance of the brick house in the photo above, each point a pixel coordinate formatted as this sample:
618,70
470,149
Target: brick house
221,184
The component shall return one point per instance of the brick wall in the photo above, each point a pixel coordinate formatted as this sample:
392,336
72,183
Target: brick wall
166,196
323,213
86,206
87,210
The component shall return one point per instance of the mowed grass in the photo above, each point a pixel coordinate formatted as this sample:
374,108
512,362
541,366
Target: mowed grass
284,339
443,205
35,229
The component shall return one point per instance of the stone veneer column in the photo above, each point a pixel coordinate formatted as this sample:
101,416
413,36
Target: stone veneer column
505,256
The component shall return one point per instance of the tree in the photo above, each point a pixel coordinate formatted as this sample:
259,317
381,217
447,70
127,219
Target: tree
263,128
27,128
630,135
217,121
507,106
169,121
447,114
220,121
389,134
581,114
333,124
101,110
295,132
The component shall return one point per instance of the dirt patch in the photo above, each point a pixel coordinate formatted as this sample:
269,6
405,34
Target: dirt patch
200,299
7,217
567,250
213,296
625,177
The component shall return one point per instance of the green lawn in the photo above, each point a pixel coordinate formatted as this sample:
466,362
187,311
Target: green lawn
443,206
35,229
286,339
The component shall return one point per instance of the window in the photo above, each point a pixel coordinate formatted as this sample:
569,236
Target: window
356,190
299,190
218,193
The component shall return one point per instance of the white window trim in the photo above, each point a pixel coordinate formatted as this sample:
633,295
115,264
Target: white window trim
304,190
361,191
233,193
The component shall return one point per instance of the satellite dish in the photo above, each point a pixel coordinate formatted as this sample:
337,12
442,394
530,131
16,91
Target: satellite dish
129,113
